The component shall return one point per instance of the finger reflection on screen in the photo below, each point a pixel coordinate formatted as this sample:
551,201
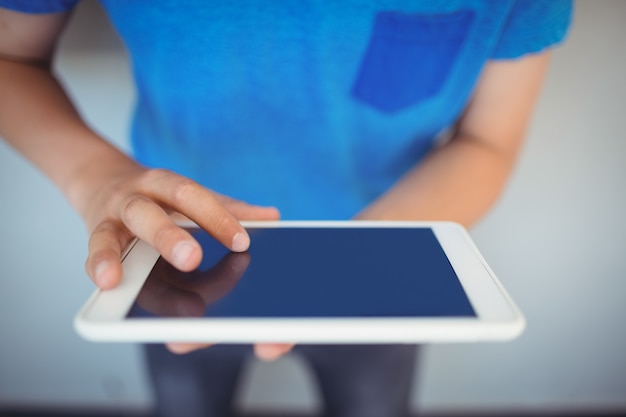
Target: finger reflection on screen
169,292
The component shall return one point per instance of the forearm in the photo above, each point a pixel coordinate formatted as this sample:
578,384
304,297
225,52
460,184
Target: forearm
117,198
459,182
38,119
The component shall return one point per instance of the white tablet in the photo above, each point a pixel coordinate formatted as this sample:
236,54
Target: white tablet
311,282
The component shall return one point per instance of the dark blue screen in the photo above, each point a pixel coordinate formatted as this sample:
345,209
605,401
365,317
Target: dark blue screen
311,272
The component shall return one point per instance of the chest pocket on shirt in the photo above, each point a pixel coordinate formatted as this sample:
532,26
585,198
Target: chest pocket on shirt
409,58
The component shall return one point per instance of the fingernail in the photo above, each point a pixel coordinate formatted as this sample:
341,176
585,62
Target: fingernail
100,274
181,253
241,242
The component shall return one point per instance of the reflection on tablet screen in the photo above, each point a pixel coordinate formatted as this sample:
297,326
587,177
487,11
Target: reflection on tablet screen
311,272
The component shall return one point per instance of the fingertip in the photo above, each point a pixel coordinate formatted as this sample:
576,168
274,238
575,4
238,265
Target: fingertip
273,213
186,255
270,353
241,242
106,275
180,348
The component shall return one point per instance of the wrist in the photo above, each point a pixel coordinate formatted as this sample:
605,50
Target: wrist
94,174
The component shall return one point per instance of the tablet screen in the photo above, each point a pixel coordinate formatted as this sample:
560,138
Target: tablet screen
311,273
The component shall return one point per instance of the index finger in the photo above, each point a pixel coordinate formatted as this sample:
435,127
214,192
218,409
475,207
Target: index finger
200,205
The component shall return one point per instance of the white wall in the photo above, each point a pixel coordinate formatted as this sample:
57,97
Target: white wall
556,239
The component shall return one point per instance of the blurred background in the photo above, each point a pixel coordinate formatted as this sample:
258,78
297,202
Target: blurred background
556,239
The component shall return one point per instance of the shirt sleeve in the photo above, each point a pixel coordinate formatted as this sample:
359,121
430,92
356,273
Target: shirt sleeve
39,6
532,26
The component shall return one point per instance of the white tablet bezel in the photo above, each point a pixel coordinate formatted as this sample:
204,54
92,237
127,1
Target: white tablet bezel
102,318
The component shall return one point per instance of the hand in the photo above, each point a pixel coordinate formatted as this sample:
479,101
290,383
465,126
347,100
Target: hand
265,351
140,202
135,201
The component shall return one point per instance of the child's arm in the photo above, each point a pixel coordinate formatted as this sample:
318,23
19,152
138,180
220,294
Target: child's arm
116,197
461,180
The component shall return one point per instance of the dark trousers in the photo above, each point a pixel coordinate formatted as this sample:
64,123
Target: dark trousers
355,380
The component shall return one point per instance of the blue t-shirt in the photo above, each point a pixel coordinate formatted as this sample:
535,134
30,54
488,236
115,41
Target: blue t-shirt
315,107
